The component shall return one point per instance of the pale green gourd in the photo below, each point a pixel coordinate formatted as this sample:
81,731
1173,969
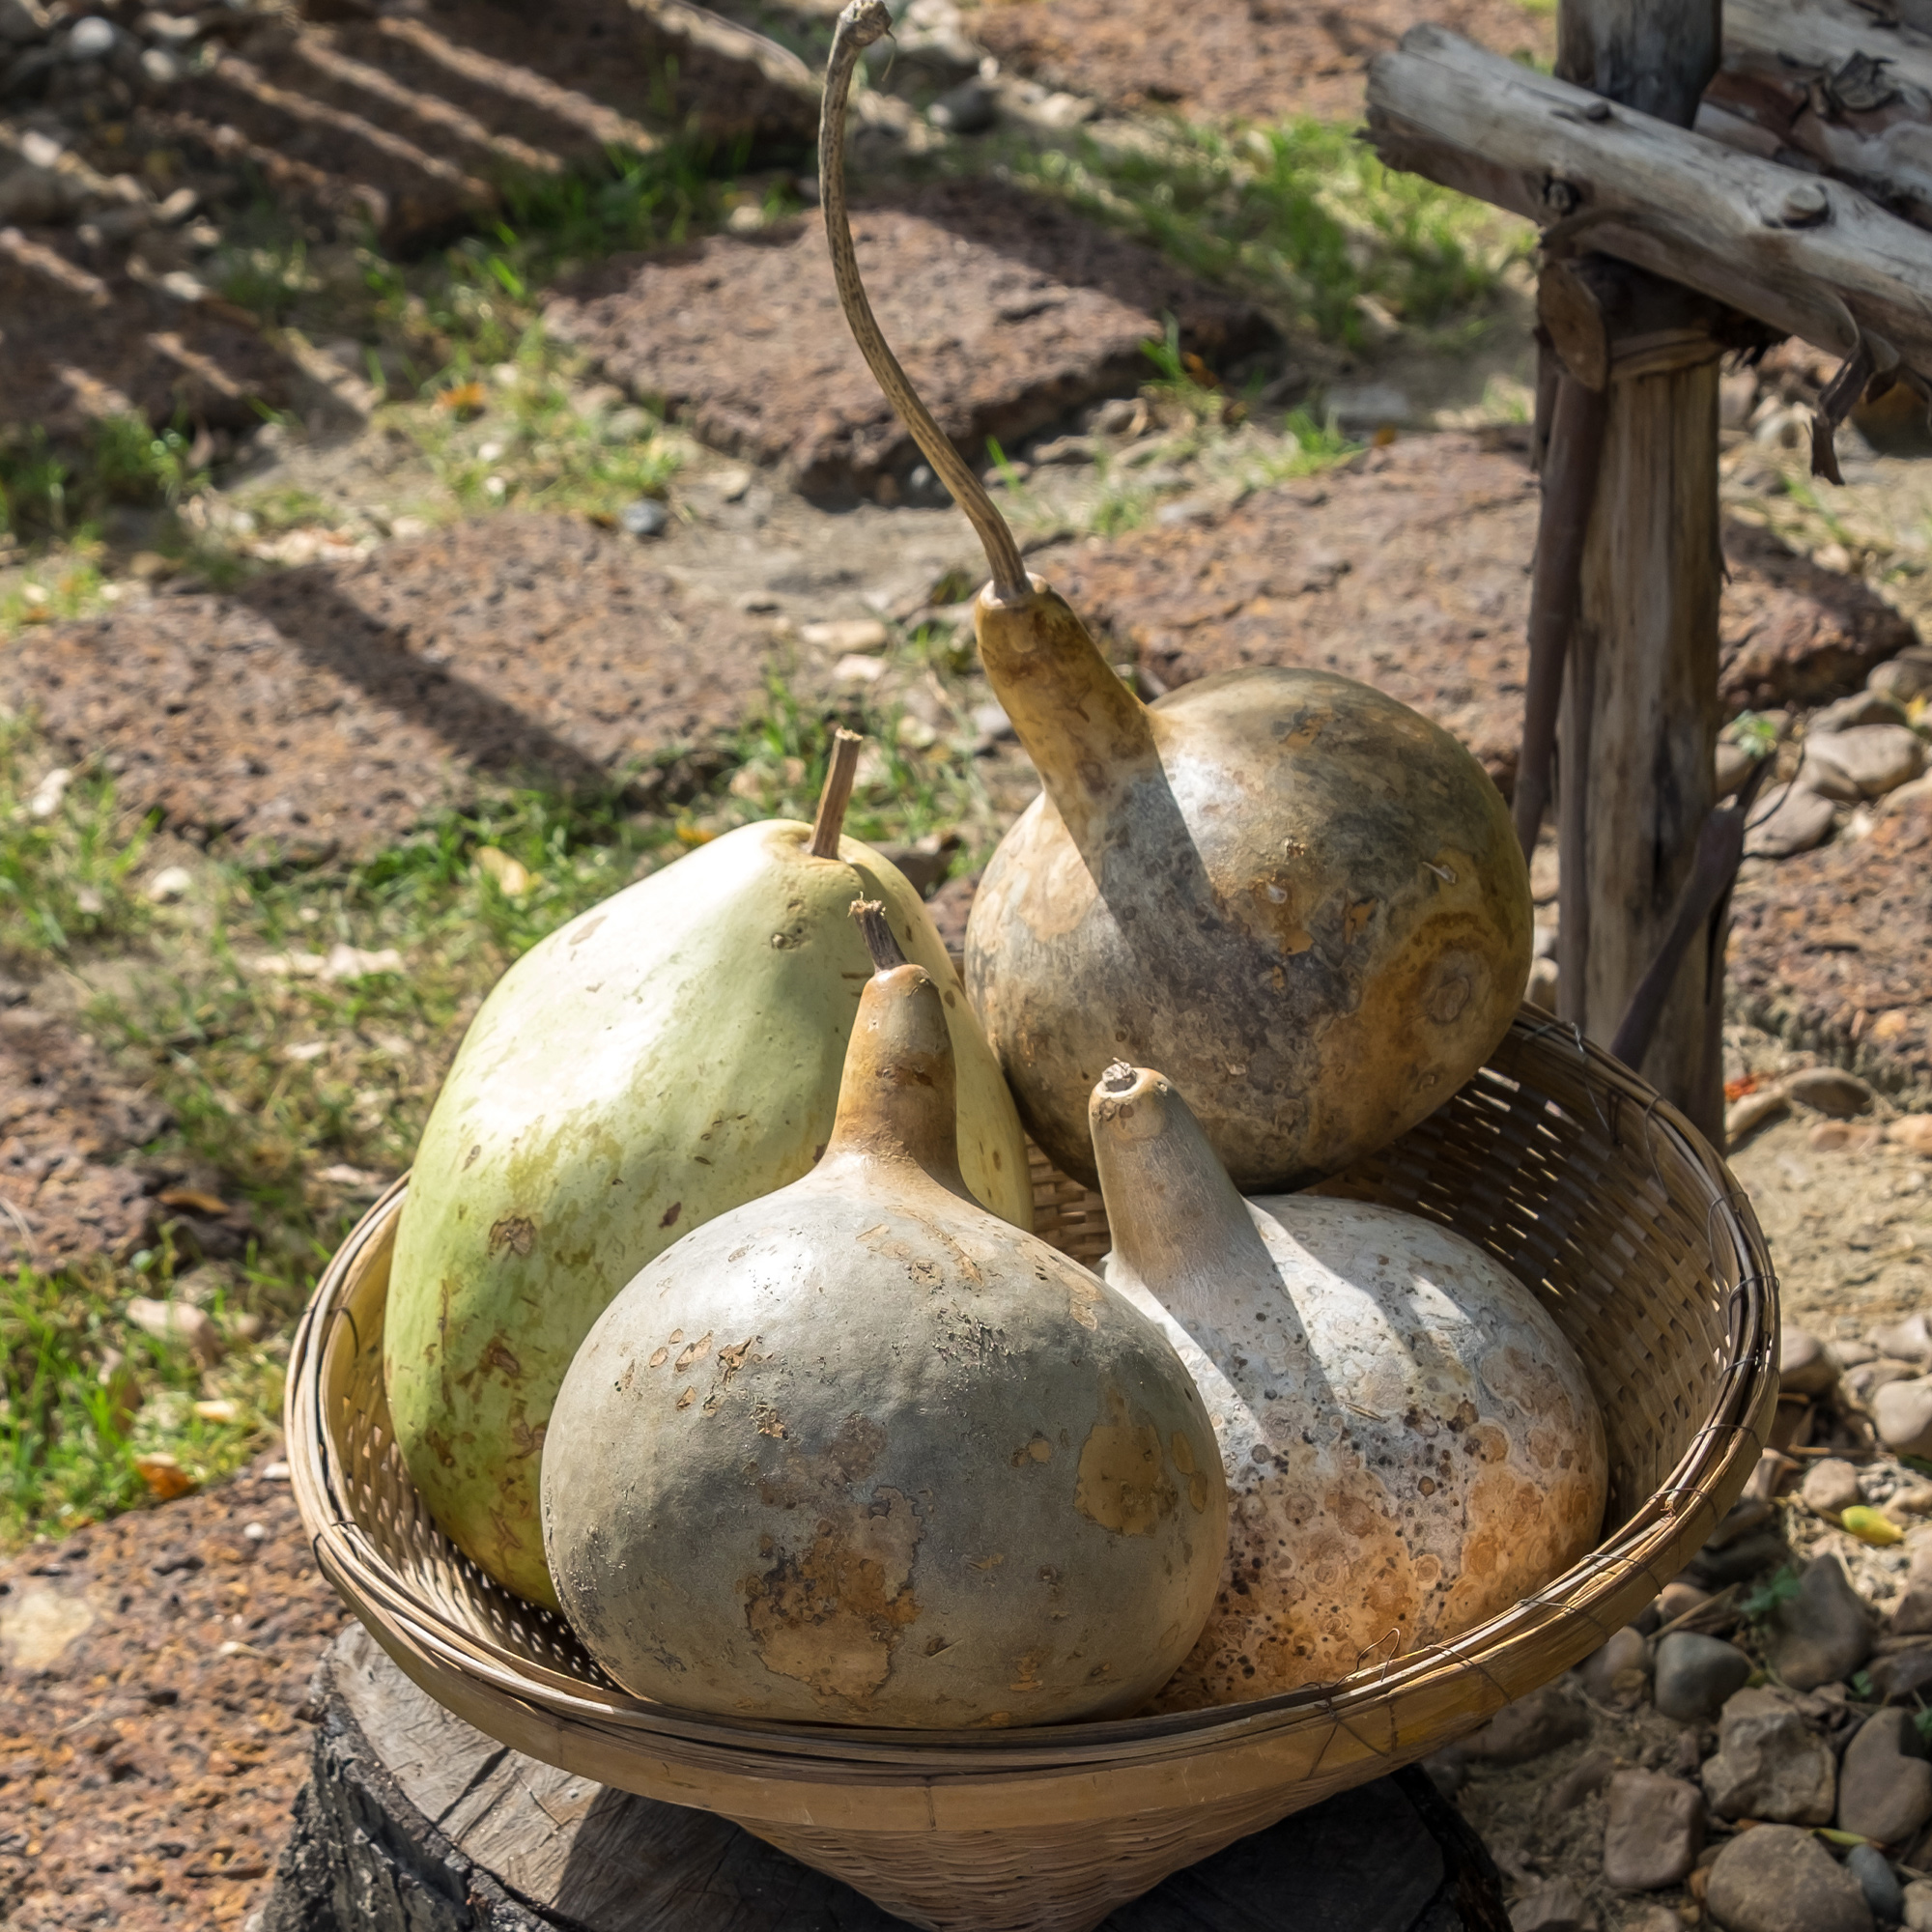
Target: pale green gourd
666,1056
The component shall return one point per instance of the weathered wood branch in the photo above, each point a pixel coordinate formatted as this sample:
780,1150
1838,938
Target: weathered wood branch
1825,84
1804,256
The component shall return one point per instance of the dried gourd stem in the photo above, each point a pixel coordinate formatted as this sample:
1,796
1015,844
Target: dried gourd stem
863,22
880,943
830,825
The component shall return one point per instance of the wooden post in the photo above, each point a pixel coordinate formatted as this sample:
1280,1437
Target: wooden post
1640,718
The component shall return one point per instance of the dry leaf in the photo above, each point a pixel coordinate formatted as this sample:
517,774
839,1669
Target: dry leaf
465,399
165,1477
1871,1525
198,1198
512,879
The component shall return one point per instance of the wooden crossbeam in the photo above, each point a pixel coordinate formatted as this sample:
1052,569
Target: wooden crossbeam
1823,83
1806,256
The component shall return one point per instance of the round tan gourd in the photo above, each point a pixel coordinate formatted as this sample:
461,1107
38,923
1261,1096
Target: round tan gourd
1410,1445
1298,896
861,1453
667,1055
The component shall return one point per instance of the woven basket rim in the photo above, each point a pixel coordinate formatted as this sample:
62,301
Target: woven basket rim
1706,1479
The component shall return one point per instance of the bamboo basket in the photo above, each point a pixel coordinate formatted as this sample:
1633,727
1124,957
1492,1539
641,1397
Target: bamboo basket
1560,1162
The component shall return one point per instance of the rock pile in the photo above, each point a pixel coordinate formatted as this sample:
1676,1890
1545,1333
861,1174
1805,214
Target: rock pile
1752,1753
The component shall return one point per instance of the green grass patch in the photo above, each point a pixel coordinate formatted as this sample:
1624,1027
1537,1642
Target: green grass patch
1302,214
68,854
87,1398
57,492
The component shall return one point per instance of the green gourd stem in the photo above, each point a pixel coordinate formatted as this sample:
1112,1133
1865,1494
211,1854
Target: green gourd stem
829,825
862,23
1177,1220
898,1100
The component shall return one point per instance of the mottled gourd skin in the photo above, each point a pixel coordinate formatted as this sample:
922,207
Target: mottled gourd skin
665,1057
1296,896
859,1453
1410,1445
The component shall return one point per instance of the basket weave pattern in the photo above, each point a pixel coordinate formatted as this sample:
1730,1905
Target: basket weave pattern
1578,1179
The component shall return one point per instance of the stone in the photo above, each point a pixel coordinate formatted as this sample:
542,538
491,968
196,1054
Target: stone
1912,1614
1745,1115
1696,1674
1819,772
1862,707
1885,1784
847,635
1901,1675
1010,310
1878,1882
990,722
1679,1599
969,108
1800,821
1907,1341
1864,1382
1531,1727
177,1321
1873,758
1906,676
169,884
1652,1919
1607,1676
1555,1907
1822,1635
1902,1411
91,38
1734,765
644,518
1919,1906
22,21
1653,1831
1806,1366
1829,1091
1583,1780
1907,798
1912,1132
1831,1486
1780,1879
1769,1764
1715,1566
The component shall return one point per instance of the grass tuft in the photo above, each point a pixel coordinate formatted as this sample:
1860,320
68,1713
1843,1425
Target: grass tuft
68,855
1302,214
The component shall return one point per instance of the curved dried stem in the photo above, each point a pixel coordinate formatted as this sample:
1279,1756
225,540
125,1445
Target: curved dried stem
863,22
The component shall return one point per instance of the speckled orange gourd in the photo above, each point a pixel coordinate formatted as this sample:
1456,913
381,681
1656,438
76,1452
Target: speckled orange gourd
1409,1442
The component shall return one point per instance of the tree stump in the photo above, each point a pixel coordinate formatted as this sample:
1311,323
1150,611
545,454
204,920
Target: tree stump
413,1822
